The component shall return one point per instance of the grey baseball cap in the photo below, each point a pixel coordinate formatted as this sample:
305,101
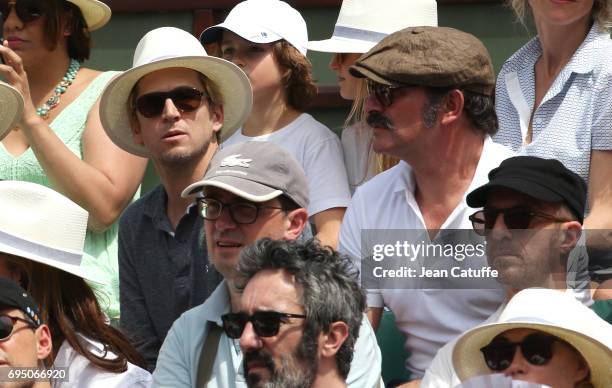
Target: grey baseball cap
257,171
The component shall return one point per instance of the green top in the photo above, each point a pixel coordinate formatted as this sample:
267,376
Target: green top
100,248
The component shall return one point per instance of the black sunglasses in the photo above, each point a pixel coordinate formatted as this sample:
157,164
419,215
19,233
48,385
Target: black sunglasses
383,93
27,10
7,324
514,218
536,349
185,99
265,323
240,212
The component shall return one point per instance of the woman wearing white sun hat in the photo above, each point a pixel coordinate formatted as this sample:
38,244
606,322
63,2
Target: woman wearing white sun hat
41,247
59,141
361,25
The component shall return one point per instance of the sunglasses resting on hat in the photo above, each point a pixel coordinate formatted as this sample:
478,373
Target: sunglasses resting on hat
27,10
265,323
185,99
514,218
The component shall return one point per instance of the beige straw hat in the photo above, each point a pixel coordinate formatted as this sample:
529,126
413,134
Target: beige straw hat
11,108
164,48
550,311
95,13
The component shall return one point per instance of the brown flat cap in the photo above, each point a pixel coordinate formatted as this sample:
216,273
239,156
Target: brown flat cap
429,56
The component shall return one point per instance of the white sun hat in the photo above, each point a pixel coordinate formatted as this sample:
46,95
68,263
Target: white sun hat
95,13
363,23
168,47
262,21
11,108
40,224
550,311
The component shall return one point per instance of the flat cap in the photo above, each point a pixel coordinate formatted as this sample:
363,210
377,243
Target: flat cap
429,56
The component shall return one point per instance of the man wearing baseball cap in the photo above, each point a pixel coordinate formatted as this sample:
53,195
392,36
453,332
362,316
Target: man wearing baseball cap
430,104
25,342
251,190
531,217
174,106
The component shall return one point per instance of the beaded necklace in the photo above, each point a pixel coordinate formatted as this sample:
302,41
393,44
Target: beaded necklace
54,100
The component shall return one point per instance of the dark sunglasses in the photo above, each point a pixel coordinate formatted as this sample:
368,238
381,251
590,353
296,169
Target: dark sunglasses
27,10
536,349
7,324
265,323
240,212
384,94
514,218
185,99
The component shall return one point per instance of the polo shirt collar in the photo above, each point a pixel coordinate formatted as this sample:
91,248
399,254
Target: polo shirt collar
217,304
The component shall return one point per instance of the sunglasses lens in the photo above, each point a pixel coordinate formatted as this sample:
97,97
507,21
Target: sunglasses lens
233,324
537,349
498,355
27,10
266,324
6,327
519,219
187,99
150,105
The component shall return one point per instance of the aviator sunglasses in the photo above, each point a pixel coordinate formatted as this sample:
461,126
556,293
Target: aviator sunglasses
27,10
514,218
185,99
7,324
536,348
265,323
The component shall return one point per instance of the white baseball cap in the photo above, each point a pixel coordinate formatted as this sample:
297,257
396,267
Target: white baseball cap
262,21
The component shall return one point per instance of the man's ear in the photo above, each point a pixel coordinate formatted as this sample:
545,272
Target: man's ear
451,107
216,116
572,230
330,342
296,222
44,343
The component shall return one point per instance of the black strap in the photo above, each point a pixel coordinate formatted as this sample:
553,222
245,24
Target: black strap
208,354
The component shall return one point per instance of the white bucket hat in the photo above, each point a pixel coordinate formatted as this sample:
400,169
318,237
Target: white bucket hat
550,311
164,48
40,224
363,23
95,13
262,21
11,108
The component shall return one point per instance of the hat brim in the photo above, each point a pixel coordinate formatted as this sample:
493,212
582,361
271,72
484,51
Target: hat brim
469,362
478,197
11,108
359,71
244,188
95,13
214,34
233,85
341,45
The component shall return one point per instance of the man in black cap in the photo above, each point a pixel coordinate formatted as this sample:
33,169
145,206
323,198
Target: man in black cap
24,340
430,104
531,217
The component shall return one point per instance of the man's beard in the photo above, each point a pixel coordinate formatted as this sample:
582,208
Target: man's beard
297,370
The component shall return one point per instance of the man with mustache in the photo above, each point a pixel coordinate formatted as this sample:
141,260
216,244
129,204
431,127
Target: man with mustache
532,215
301,312
430,104
251,190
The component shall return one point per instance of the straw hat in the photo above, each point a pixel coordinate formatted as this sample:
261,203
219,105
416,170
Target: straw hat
11,108
363,23
163,48
40,224
550,311
95,13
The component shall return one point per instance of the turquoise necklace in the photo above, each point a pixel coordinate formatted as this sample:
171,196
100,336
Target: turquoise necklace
54,100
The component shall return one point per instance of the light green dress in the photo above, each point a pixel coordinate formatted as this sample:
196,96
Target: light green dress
100,248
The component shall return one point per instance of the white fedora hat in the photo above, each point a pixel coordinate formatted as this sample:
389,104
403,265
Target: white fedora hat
40,224
95,13
11,108
554,312
164,48
363,23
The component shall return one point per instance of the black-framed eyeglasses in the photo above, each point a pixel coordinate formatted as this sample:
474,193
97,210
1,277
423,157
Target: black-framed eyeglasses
240,212
384,94
27,10
7,324
265,323
536,348
186,99
514,218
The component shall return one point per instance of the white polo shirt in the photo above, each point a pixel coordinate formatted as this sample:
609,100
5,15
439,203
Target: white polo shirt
428,317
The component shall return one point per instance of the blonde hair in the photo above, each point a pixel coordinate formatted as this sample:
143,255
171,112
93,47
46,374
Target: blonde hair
601,12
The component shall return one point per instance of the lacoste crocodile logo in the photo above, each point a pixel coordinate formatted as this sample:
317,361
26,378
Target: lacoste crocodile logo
235,161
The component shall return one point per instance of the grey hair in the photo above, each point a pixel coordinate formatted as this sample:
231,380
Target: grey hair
601,13
331,290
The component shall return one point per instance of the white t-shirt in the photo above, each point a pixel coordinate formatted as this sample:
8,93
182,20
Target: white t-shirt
429,318
359,158
319,152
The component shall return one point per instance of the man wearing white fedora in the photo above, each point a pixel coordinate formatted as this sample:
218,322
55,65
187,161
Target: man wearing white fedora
542,336
174,106
360,25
